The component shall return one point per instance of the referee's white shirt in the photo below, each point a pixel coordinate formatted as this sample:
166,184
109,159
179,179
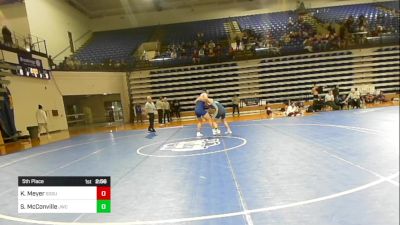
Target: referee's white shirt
150,107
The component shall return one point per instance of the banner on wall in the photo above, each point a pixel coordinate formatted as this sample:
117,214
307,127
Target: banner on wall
31,67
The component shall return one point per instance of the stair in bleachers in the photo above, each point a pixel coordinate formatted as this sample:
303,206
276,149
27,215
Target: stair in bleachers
316,24
135,88
158,34
249,83
233,29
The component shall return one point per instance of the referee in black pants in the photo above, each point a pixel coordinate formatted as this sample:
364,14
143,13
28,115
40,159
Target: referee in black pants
150,109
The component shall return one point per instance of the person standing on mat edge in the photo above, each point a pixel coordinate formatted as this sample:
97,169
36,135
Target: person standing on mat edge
201,112
235,105
167,110
41,119
160,110
150,108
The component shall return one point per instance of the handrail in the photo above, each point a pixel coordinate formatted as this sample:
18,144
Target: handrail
66,48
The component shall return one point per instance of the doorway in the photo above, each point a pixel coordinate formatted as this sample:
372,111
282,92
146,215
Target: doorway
93,110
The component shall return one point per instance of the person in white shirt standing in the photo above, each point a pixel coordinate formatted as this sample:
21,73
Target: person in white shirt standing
167,110
41,119
150,109
160,110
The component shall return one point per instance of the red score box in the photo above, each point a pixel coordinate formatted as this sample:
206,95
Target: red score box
103,193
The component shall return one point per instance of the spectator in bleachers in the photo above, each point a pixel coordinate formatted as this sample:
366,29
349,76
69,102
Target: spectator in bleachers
331,29
201,52
218,51
290,22
362,23
160,110
174,54
196,57
200,38
211,44
238,41
211,52
330,100
183,52
245,38
308,44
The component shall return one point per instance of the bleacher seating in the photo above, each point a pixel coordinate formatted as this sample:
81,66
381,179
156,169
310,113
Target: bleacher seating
187,32
115,45
387,71
390,5
275,24
121,44
275,80
370,11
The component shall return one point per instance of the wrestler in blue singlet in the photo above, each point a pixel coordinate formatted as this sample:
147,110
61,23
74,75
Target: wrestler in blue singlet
200,109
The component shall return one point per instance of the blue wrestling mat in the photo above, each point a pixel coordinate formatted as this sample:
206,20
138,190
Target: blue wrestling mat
331,168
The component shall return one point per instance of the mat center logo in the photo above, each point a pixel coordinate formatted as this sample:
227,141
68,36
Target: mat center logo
191,145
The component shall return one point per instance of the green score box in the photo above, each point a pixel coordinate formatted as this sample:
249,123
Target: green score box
103,206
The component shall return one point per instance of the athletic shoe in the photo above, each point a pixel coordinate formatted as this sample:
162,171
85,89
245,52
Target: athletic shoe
216,131
199,134
153,130
228,132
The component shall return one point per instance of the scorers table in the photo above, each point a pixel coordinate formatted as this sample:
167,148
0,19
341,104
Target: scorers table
64,194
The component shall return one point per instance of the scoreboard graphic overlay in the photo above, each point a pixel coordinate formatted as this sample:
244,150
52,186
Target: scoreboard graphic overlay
64,194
